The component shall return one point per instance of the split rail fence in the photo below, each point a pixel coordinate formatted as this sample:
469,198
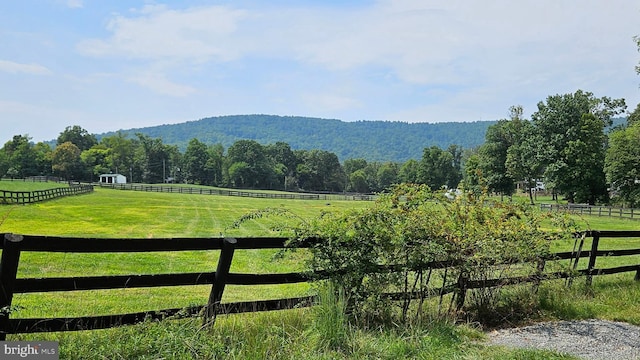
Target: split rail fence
240,193
28,197
13,245
583,209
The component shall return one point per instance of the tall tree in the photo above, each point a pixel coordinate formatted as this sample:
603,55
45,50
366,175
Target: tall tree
22,157
358,182
77,136
352,165
408,172
387,175
320,170
66,161
215,164
622,164
195,161
153,158
43,155
456,176
473,178
241,175
4,163
96,161
356,176
283,162
121,153
524,161
634,117
571,128
256,168
436,167
492,157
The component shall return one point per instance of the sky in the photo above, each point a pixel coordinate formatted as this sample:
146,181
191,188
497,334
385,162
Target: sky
109,65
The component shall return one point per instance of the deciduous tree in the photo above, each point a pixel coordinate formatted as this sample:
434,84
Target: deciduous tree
66,161
436,167
257,168
622,164
195,160
78,136
22,157
571,130
492,158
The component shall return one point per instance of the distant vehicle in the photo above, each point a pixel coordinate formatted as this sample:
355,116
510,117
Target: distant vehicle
453,193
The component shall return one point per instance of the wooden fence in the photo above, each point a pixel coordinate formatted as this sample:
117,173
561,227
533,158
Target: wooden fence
27,197
35,179
585,209
13,245
240,193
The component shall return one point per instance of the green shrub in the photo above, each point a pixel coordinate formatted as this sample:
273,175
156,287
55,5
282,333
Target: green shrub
389,249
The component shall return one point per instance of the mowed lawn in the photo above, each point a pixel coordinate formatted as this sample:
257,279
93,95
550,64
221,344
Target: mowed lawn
129,214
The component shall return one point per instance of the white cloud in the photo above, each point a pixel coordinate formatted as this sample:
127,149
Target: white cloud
18,68
158,83
157,32
421,41
484,55
75,4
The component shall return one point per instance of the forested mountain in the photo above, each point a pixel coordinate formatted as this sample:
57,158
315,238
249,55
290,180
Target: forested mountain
370,140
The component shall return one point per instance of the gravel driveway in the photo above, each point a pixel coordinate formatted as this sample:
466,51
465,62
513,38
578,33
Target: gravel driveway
587,339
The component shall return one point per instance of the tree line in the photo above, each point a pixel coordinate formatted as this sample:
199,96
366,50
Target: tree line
246,164
568,144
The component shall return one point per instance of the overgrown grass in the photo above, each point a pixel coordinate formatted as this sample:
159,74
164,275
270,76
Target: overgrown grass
291,334
300,333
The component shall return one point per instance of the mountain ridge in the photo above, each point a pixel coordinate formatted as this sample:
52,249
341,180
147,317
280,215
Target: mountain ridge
373,140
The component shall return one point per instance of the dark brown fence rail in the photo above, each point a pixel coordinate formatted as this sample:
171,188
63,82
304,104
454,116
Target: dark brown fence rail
585,209
206,191
35,179
240,193
13,245
27,197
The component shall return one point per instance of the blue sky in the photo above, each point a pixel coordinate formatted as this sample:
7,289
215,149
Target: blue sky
109,65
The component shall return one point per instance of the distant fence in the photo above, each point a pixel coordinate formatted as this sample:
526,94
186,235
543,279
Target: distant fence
585,209
13,245
27,197
35,179
240,193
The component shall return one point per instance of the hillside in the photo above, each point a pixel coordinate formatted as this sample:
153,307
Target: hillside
371,140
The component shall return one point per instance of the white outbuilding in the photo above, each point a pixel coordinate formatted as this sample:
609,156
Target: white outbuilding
113,179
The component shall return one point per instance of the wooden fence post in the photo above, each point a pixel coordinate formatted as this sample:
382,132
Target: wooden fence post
592,257
8,271
461,290
576,258
220,280
539,273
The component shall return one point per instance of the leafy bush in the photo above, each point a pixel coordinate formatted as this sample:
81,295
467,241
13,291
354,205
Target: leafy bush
414,243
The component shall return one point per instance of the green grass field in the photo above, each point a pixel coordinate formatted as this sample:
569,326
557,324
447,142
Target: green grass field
21,185
287,334
128,214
